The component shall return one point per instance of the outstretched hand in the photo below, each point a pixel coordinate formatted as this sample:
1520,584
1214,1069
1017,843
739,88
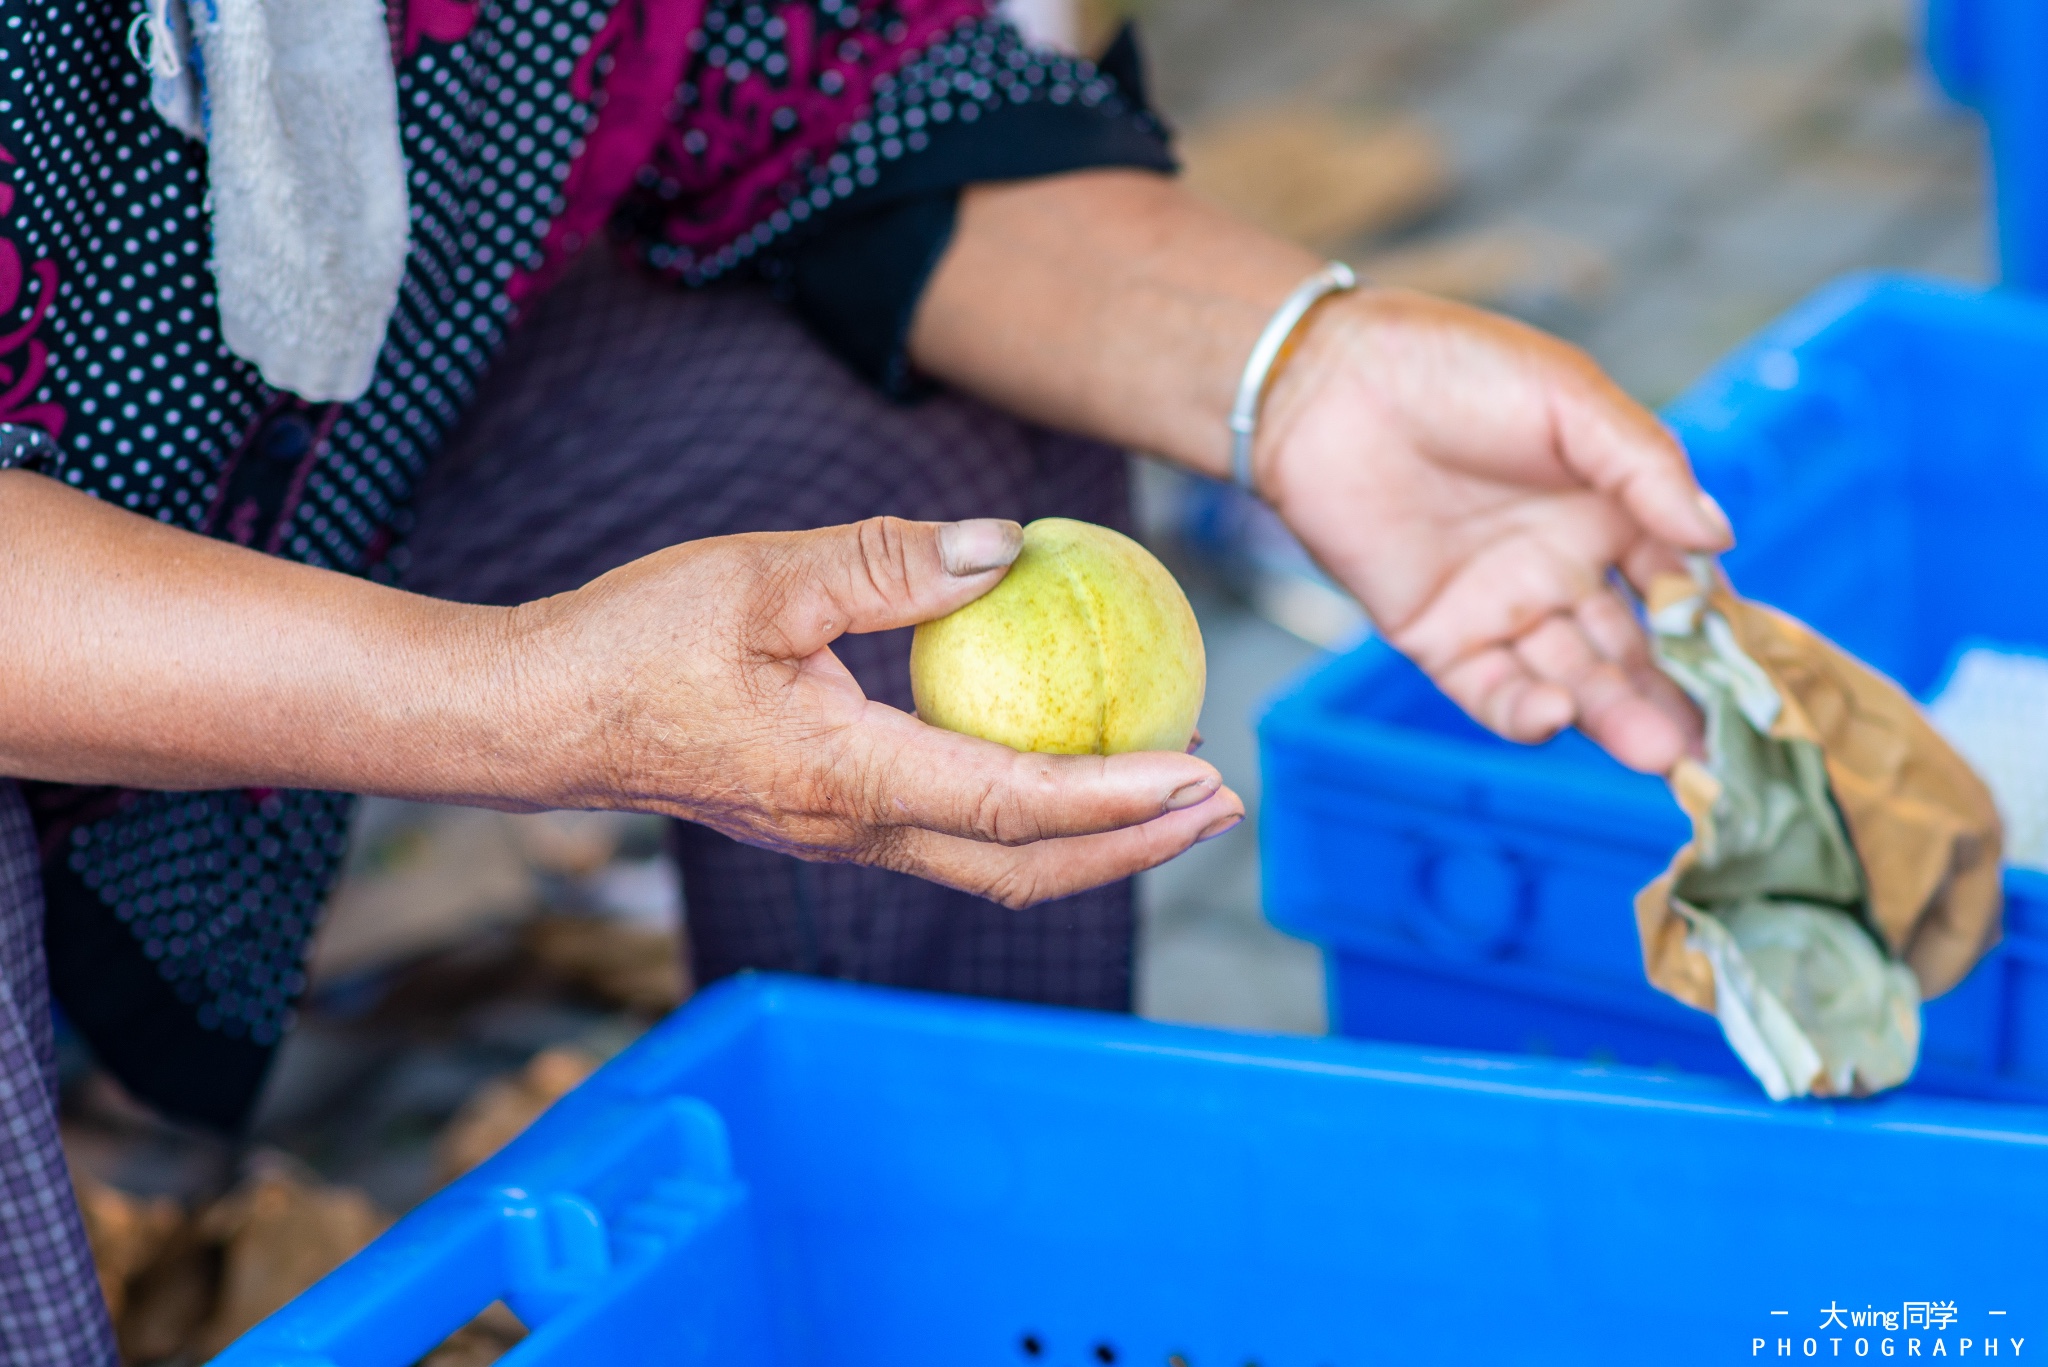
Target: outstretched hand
1478,484
698,682
706,676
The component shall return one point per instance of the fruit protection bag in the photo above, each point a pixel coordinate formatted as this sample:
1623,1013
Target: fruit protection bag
1844,863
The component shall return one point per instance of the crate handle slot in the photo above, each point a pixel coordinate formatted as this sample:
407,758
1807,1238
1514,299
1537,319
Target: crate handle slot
557,1251
621,1209
1471,902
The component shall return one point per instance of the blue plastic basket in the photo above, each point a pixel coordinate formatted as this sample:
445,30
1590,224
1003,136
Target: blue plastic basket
827,1176
1883,451
1992,55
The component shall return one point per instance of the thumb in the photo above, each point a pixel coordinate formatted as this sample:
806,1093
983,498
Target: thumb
885,573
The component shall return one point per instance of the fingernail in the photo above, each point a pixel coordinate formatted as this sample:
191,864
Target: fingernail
979,545
1217,828
1716,518
1188,794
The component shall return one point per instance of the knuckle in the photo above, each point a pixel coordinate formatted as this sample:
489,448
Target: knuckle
1003,809
853,787
1498,707
986,816
1016,887
885,555
772,585
887,848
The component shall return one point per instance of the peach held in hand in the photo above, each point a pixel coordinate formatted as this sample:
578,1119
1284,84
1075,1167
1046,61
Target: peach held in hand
1087,647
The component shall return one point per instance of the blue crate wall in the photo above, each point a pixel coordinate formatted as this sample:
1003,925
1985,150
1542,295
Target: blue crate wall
1884,451
853,1177
1992,55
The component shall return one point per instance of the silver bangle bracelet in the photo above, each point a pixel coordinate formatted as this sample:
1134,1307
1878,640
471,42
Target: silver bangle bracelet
1334,278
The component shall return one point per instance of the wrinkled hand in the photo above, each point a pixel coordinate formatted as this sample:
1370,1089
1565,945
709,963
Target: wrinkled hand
699,682
1475,482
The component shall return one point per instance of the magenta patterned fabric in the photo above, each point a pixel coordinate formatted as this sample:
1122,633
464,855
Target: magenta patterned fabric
730,130
23,358
747,128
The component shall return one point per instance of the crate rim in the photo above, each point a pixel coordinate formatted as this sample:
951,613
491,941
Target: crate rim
750,1000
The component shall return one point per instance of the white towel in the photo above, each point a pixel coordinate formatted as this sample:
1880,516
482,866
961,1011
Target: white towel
298,105
1994,710
1052,24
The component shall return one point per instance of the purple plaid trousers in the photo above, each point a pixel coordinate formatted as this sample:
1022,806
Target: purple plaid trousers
50,1307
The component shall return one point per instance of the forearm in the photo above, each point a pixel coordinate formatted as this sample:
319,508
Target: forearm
1106,302
135,654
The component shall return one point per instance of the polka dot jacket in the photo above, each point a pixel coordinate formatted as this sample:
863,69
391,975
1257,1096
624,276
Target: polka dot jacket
709,136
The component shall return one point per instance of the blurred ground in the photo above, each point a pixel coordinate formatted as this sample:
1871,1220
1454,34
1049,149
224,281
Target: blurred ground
472,968
1651,178
1676,172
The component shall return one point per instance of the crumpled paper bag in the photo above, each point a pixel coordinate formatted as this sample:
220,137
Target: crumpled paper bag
1844,863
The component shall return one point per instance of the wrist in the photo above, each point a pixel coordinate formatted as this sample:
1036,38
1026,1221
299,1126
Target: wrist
1323,350
534,710
1269,355
446,702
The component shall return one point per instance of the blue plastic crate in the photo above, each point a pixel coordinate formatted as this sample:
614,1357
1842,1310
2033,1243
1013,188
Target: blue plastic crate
1884,453
1992,55
827,1176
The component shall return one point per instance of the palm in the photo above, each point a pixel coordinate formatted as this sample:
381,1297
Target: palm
1475,483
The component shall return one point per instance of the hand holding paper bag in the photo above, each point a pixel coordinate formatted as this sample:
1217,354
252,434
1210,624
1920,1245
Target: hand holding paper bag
1844,862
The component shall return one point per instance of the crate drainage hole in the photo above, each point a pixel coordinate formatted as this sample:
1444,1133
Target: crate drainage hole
1033,1346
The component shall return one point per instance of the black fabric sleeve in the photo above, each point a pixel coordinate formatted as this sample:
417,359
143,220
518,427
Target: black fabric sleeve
856,274
22,446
